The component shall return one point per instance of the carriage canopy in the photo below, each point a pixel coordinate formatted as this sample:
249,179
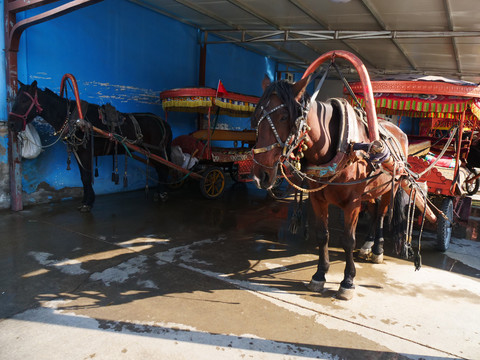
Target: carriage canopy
204,99
432,97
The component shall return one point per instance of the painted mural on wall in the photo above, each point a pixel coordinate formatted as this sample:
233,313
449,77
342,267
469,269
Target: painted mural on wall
124,54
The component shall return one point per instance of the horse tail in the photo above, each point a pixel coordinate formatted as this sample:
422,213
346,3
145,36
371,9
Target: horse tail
399,220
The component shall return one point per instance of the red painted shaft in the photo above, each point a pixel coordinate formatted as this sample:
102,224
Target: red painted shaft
75,91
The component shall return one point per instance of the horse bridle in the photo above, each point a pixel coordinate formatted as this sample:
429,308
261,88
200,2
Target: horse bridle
33,104
294,139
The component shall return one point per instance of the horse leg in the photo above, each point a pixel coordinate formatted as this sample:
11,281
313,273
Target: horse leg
162,175
86,176
347,289
366,249
320,209
377,249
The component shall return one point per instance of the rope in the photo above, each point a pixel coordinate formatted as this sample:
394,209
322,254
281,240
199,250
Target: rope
308,191
452,134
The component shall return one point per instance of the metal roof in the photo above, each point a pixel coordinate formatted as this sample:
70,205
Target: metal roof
430,37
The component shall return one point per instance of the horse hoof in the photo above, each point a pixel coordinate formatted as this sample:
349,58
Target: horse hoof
366,250
160,197
84,208
377,259
344,293
316,286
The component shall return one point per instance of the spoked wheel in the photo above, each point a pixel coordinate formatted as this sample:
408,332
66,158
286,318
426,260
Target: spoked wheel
281,189
445,225
471,187
212,185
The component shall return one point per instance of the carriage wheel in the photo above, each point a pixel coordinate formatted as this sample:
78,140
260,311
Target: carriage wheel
445,226
471,187
213,183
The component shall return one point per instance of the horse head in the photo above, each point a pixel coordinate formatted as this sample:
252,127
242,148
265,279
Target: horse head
25,107
279,119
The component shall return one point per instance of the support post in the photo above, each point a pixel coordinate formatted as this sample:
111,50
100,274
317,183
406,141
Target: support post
14,157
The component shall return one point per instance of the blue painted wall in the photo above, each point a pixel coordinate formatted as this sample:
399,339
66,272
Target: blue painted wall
124,54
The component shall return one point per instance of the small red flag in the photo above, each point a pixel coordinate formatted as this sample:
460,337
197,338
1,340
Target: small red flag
221,89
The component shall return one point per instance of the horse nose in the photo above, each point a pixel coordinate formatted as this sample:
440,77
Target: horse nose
261,179
265,180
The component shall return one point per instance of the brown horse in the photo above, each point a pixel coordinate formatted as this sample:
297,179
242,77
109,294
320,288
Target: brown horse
326,144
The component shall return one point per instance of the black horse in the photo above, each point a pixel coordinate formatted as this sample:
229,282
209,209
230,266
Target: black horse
145,130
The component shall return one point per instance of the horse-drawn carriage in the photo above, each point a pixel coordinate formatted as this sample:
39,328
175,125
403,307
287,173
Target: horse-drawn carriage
217,149
440,117
344,155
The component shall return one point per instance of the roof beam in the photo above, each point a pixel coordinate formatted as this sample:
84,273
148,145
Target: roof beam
246,8
326,35
13,38
310,13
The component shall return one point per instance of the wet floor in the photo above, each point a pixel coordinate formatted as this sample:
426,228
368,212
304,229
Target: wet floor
194,278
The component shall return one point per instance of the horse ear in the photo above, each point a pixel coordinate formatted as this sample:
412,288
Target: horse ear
266,82
34,84
299,87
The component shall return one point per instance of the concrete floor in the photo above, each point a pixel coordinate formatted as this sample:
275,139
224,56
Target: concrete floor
200,279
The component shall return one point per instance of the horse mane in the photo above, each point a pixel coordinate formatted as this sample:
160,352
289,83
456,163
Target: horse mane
283,89
50,92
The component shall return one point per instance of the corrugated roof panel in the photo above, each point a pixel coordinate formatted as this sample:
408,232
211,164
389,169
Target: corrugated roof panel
426,15
381,54
399,54
336,15
431,54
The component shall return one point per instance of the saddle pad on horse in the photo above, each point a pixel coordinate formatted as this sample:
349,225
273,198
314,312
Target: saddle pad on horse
351,123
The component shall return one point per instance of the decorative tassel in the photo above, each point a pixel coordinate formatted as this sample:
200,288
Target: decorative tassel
115,176
417,261
125,179
69,161
96,166
297,214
